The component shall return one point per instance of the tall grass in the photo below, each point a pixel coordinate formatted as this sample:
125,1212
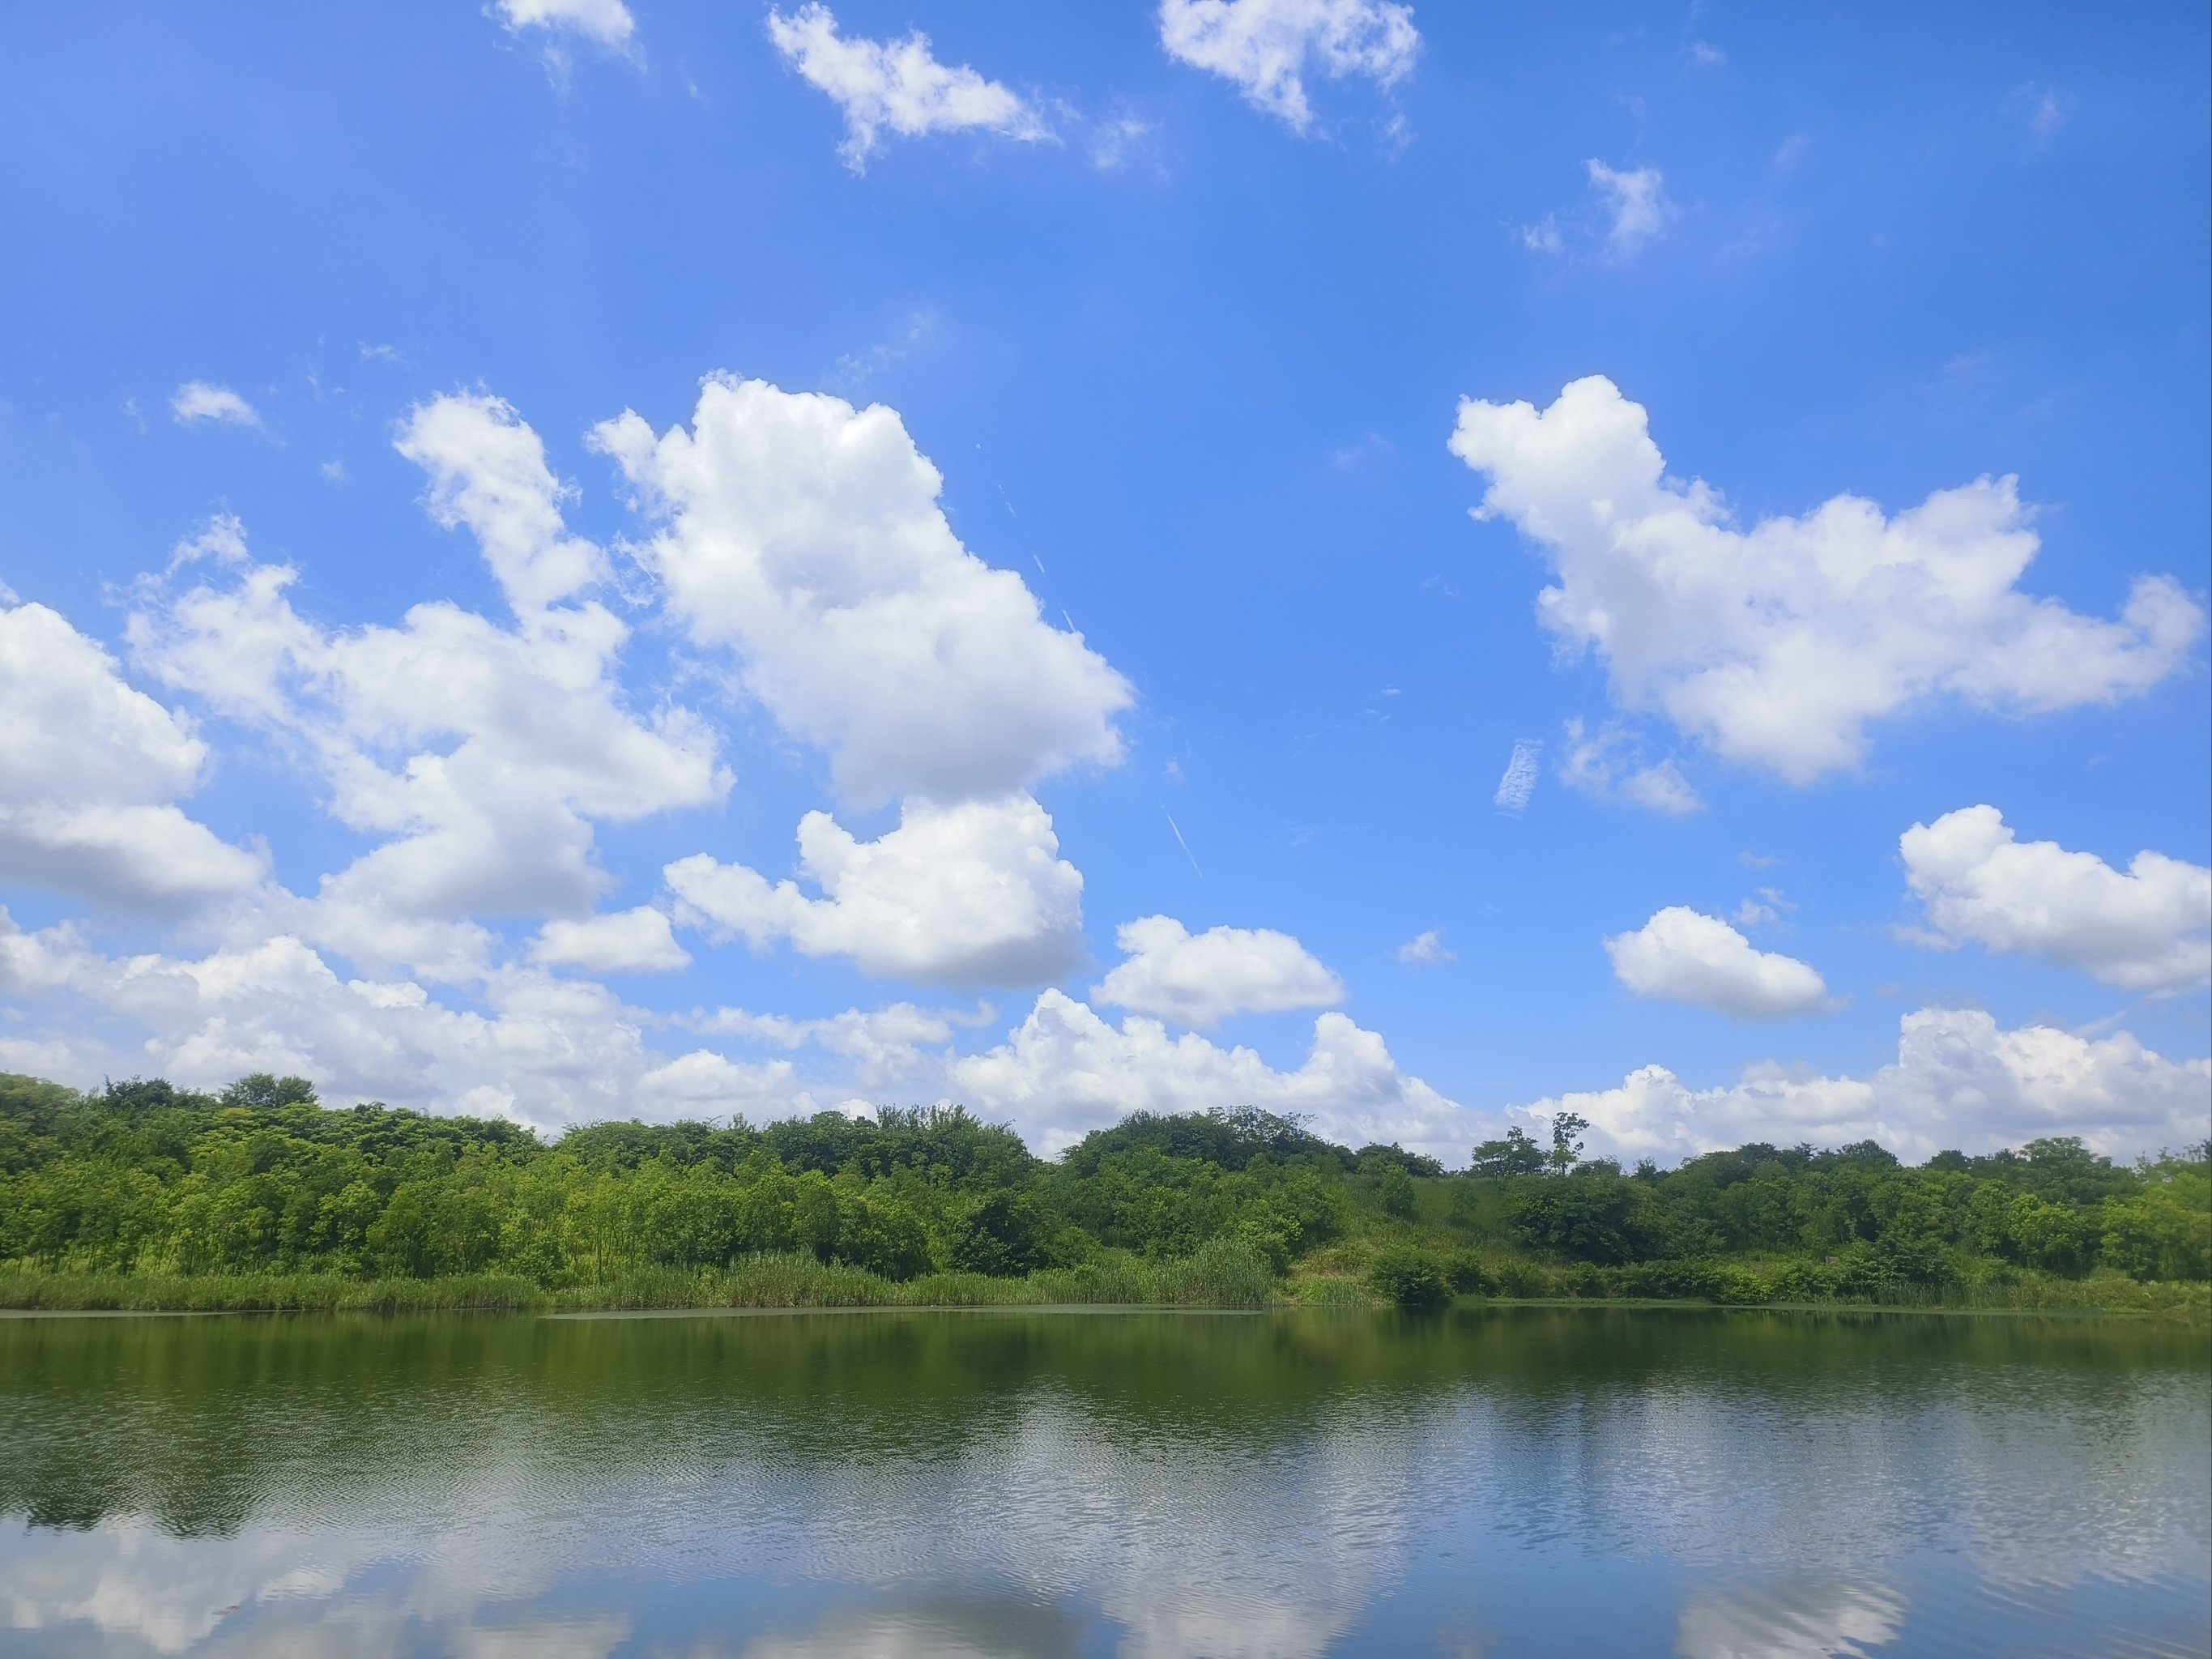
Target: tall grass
1224,1273
264,1293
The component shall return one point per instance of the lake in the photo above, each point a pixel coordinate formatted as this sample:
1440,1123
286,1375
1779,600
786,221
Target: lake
1491,1481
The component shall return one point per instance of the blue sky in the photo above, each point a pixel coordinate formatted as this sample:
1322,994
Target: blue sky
1180,304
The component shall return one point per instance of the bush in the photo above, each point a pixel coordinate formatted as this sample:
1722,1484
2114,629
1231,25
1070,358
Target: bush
1520,1277
1409,1278
1465,1273
1588,1282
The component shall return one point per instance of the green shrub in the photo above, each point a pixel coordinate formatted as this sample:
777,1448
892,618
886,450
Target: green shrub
1465,1272
1408,1278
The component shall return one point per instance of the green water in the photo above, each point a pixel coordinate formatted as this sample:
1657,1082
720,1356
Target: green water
1508,1481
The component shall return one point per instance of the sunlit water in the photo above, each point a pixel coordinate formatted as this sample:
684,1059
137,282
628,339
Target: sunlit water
1516,1481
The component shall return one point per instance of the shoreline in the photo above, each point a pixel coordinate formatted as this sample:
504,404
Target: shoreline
2181,1316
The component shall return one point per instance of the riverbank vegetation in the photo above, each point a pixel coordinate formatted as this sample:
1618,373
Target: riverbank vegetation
144,1196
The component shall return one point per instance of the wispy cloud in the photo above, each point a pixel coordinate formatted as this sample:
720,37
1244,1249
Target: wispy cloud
2048,110
1608,764
897,85
1520,780
197,400
1425,950
1266,48
1637,201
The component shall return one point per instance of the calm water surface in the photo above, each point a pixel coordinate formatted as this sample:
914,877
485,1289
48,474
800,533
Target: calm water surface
1513,1481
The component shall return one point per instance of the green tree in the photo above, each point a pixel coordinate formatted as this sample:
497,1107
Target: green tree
1516,1155
1394,1192
1566,1143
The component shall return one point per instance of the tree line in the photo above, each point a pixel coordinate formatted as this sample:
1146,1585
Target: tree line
141,1177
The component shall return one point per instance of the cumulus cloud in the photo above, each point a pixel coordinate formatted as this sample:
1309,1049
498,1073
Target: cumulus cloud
90,769
886,1050
539,1048
2149,929
896,85
637,941
1065,1071
197,400
606,22
1425,949
1267,48
488,473
551,1051
479,755
1778,644
973,893
1608,765
1958,1081
1682,956
1637,199
1519,782
806,535
1203,980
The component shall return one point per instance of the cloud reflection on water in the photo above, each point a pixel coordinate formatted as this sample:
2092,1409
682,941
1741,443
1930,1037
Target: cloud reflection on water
1808,1620
907,1488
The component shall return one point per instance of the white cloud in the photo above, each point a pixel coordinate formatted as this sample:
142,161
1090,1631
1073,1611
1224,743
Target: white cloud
1519,782
1608,765
1203,980
974,893
884,1046
806,534
541,1049
608,22
896,85
1661,788
626,942
1425,950
1705,55
221,538
196,401
1682,956
480,755
1268,47
488,472
1637,201
2149,929
1065,1071
1958,1082
1778,644
89,770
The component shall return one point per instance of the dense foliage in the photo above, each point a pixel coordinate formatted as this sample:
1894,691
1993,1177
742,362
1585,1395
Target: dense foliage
142,1178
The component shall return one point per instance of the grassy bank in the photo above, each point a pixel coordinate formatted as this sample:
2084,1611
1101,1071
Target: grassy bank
1222,1276
1415,1271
